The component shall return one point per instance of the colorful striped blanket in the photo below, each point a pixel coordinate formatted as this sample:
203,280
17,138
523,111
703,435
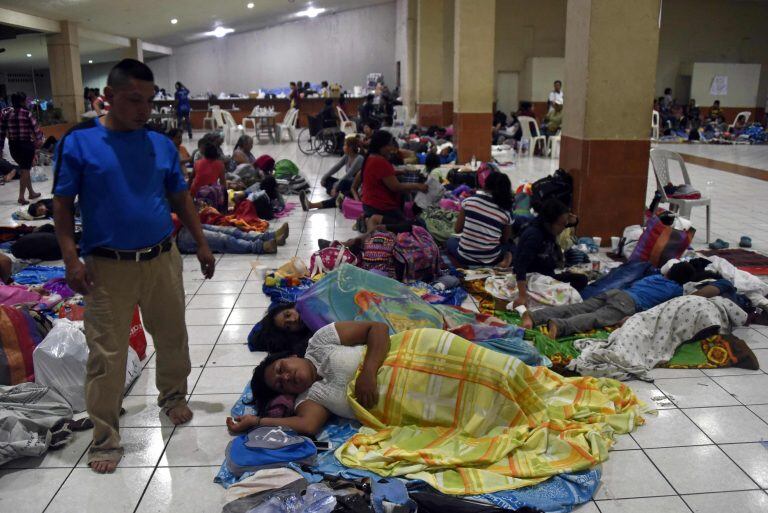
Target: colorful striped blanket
468,420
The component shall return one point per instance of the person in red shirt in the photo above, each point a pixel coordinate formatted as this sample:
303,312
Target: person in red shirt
208,172
382,204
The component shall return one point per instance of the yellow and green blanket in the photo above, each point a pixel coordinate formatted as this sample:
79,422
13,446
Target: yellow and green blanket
468,420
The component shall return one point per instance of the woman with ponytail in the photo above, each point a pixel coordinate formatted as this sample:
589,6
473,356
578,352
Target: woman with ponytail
485,225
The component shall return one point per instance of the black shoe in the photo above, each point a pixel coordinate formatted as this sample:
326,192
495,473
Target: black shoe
322,243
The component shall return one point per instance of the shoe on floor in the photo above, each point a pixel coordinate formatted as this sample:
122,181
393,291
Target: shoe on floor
303,200
745,242
719,244
269,246
281,234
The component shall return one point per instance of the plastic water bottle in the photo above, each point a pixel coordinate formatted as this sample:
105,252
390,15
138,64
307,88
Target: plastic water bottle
474,162
525,145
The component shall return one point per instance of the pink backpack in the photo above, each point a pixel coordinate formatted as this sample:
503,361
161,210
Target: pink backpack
378,252
328,259
417,256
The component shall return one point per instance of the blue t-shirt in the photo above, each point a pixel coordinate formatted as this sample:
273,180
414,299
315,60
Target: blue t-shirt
653,290
182,101
122,180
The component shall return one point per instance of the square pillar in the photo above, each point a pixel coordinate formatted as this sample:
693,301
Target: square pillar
610,68
429,62
473,76
448,13
135,50
66,75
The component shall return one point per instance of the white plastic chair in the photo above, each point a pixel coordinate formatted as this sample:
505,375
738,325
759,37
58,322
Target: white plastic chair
232,131
552,142
289,125
347,126
655,121
535,139
660,161
210,118
252,121
744,114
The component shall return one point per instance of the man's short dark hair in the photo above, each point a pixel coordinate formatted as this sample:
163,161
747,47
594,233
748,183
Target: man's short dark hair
128,69
681,272
558,82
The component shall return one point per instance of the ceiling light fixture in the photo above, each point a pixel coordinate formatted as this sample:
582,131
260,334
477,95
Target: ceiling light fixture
250,5
311,12
29,55
90,61
220,32
174,21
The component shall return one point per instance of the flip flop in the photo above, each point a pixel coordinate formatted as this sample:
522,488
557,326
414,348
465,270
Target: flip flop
745,242
719,244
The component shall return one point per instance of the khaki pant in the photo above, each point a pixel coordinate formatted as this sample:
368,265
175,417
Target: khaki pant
156,286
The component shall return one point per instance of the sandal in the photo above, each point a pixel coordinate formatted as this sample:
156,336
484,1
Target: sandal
745,242
719,244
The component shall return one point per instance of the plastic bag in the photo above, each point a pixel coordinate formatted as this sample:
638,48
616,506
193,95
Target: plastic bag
60,360
317,499
38,174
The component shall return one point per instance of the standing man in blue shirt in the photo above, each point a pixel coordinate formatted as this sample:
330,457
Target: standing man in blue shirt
128,180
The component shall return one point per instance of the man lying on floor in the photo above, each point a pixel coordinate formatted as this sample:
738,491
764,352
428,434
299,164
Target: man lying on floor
439,408
614,306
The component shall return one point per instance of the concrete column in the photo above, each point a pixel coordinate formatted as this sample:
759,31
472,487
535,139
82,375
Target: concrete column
66,75
610,69
473,77
429,62
409,94
448,12
135,51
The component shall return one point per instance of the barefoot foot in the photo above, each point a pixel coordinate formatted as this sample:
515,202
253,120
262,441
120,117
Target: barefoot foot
180,414
552,330
103,466
527,321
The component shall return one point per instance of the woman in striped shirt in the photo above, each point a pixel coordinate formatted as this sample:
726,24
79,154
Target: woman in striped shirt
485,225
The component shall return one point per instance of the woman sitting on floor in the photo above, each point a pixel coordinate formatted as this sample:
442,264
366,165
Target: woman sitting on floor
492,417
485,225
537,250
209,183
242,164
351,162
382,203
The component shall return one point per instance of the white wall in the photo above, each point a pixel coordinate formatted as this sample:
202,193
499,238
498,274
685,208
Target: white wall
95,75
539,76
341,47
743,83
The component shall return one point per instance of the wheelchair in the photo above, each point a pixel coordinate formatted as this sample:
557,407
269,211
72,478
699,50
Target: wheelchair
318,140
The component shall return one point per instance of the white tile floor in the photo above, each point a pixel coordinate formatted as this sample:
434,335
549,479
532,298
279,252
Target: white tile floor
705,452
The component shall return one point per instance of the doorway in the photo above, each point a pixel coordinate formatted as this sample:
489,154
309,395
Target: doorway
507,91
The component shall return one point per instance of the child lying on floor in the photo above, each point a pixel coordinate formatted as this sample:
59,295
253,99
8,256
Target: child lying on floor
613,306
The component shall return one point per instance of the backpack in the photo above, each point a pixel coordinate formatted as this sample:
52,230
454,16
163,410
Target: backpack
328,259
285,169
378,253
417,256
267,447
557,186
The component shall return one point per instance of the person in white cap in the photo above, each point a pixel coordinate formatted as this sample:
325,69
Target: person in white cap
553,120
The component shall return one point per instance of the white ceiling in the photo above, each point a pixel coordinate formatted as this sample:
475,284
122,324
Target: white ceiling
16,50
150,19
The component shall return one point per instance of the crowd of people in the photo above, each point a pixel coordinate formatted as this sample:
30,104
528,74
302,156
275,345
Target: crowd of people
687,122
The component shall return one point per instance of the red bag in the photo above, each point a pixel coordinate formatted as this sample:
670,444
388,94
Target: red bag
137,339
660,243
330,258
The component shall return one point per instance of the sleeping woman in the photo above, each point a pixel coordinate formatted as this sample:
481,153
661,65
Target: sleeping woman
437,406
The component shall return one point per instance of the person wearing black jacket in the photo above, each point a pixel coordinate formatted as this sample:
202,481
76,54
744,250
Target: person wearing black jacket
537,250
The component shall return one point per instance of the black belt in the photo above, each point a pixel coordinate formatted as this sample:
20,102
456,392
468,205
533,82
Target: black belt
135,255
